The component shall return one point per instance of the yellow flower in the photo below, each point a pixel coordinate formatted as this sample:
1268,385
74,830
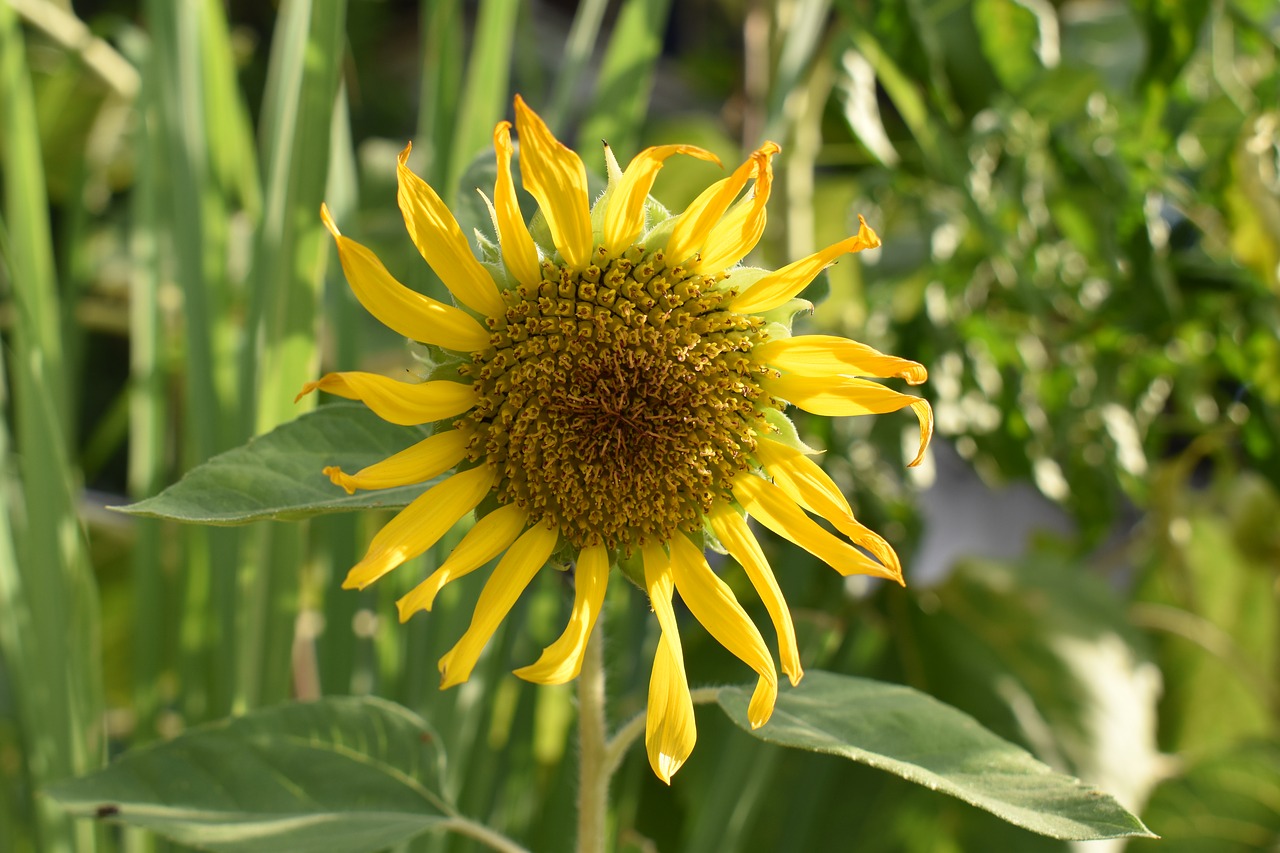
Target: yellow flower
615,393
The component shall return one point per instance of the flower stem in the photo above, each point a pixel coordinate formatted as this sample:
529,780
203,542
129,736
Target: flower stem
593,771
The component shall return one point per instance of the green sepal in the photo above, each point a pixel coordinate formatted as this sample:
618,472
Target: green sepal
785,314
785,432
433,362
632,566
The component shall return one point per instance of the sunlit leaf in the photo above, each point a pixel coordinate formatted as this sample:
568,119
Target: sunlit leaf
916,737
278,475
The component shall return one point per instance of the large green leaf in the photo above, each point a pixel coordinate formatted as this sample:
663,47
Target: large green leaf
278,475
912,735
341,775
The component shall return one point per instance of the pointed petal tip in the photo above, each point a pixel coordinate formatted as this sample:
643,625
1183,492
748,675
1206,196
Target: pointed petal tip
924,413
327,219
335,475
868,236
307,389
403,157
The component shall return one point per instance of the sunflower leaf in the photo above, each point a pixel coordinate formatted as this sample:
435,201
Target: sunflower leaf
278,475
912,735
342,775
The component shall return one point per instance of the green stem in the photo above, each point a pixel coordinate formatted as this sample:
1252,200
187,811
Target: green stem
593,768
483,834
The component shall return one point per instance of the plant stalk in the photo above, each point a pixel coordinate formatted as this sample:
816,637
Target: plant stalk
593,769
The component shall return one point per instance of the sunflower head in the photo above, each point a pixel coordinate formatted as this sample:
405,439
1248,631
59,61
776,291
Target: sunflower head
614,392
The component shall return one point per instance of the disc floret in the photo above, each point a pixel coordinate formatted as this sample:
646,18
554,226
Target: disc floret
618,402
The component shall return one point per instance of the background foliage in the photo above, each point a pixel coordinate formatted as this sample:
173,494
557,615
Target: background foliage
1078,200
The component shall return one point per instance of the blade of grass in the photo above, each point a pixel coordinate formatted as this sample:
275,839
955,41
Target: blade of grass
288,274
577,53
195,215
147,412
485,98
626,78
442,40
50,586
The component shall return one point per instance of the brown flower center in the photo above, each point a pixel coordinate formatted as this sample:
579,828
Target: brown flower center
617,403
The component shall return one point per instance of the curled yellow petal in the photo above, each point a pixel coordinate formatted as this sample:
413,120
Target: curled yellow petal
624,217
413,315
733,238
424,460
510,577
562,660
714,605
554,175
518,249
734,534
778,287
669,728
809,355
694,225
442,244
488,538
810,487
779,513
421,524
403,403
836,395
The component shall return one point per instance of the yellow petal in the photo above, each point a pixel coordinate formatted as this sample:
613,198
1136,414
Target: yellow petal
810,487
490,536
732,531
691,230
669,729
512,574
780,514
403,403
442,244
421,524
416,464
714,605
742,227
400,309
624,217
518,248
562,660
555,176
809,355
777,288
834,395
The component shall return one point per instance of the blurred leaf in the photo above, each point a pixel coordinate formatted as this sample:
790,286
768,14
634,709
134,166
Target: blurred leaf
278,475
1229,803
342,774
1042,653
912,735
1210,598
1008,33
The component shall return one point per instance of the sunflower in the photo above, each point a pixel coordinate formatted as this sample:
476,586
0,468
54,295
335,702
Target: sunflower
610,391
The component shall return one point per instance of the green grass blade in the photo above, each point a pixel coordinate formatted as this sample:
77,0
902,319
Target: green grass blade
485,101
289,258
577,53
626,78
147,414
195,214
50,591
438,105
